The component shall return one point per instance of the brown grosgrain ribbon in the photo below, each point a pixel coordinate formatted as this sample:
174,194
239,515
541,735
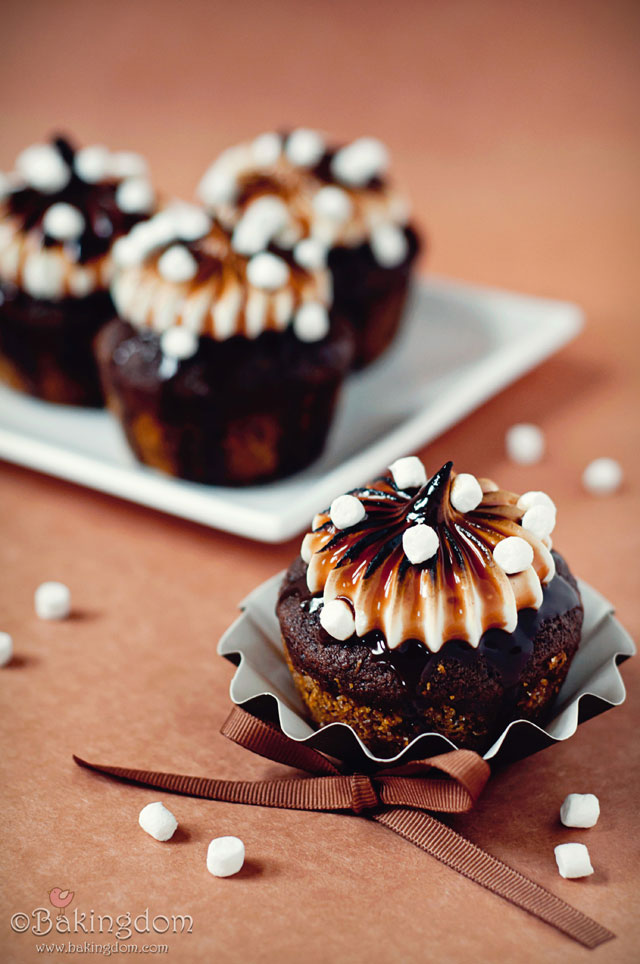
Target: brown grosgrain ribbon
397,799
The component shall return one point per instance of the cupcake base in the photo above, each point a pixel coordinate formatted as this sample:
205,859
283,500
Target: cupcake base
371,297
46,346
238,412
468,695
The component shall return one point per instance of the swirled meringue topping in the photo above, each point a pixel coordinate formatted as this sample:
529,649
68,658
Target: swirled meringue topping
180,269
410,564
288,188
61,211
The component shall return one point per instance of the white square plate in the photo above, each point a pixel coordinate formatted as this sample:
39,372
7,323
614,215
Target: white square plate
459,346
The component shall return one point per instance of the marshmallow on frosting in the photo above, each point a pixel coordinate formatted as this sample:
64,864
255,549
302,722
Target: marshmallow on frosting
304,147
43,168
513,554
268,271
408,472
177,264
420,543
461,523
63,222
346,511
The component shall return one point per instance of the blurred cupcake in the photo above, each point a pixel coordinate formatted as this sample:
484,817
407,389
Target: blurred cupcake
60,212
223,368
327,205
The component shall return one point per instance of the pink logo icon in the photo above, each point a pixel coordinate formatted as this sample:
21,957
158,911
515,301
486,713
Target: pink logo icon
60,899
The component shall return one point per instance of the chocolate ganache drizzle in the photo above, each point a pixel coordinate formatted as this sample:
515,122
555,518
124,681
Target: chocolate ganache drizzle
462,589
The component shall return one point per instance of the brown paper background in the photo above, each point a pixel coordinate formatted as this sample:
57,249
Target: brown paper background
514,128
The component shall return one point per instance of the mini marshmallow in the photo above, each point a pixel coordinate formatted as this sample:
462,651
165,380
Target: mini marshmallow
408,473
43,168
602,476
127,252
530,499
466,493
52,600
304,147
218,186
346,511
135,195
525,443
179,342
580,810
389,245
43,275
573,860
513,554
157,821
225,856
177,264
540,520
336,618
260,223
270,211
267,271
92,164
359,162
63,222
310,254
124,164
332,203
266,149
311,322
420,543
189,221
6,648
305,549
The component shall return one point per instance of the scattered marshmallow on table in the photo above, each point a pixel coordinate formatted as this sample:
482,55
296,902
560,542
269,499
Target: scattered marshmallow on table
6,648
580,810
408,473
52,600
525,443
602,476
225,856
157,821
573,860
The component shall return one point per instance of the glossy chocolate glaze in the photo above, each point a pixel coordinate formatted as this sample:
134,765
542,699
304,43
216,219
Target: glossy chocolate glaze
104,221
506,654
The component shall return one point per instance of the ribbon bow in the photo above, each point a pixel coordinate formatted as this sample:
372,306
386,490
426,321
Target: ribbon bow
398,799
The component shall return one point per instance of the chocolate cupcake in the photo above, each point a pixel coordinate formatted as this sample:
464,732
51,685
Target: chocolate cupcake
430,605
327,205
60,212
222,368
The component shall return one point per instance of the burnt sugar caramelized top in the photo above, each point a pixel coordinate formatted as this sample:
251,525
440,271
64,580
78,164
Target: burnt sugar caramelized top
179,275
61,210
429,559
308,196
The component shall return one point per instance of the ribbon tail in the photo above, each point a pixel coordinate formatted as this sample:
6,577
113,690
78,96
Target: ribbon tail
454,850
307,793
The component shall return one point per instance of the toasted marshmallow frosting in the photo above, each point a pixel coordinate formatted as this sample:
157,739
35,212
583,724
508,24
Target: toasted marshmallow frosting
295,187
180,269
61,211
414,566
